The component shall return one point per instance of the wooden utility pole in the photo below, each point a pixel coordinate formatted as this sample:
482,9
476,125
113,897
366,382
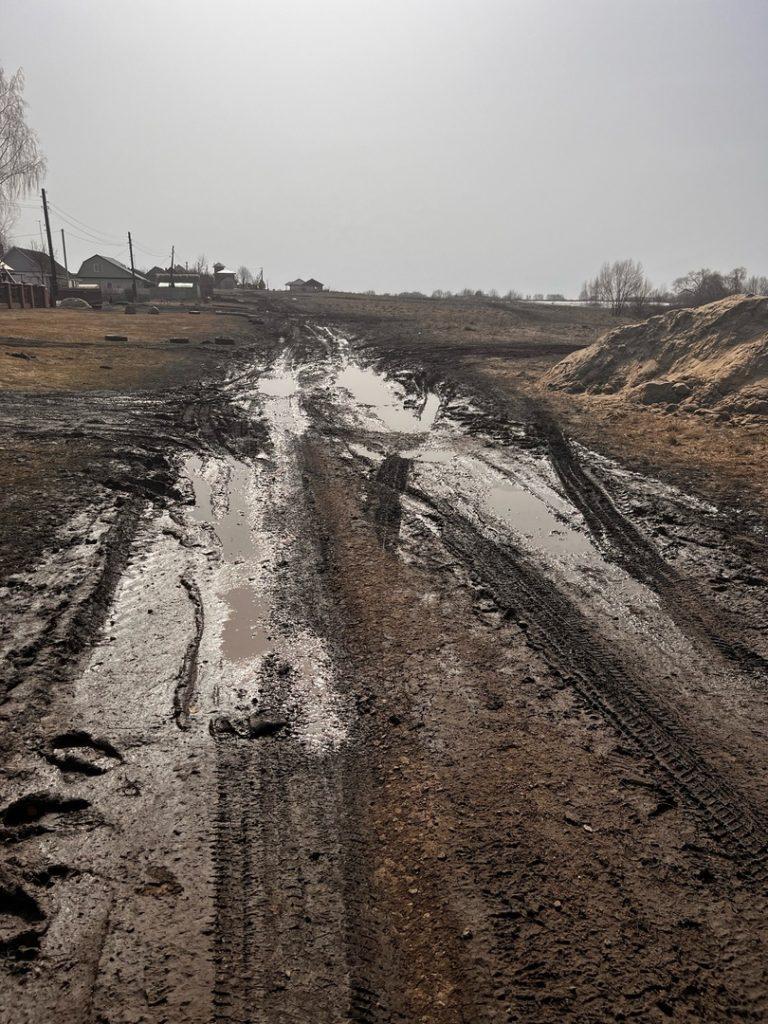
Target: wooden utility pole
66,265
54,282
133,269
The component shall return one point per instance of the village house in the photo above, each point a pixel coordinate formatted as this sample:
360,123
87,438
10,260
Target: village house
112,277
223,278
179,285
312,285
30,266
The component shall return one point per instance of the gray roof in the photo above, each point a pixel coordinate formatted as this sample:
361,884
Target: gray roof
115,263
40,259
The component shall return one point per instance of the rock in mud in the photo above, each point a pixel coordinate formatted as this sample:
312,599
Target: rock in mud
664,392
259,726
254,727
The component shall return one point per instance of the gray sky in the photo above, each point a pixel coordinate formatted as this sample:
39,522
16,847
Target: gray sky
405,144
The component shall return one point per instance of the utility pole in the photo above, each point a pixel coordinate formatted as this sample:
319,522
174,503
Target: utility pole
133,270
173,253
66,265
54,282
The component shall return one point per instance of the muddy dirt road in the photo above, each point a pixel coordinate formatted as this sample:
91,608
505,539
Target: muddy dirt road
366,694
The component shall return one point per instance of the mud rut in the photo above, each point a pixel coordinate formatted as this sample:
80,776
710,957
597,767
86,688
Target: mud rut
192,833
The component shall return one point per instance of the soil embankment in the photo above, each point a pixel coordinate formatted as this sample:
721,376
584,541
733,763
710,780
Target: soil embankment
712,358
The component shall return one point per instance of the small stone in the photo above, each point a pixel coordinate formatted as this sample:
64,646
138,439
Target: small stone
259,727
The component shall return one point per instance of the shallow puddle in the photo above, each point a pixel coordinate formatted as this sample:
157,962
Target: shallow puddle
244,634
223,499
528,515
202,510
282,389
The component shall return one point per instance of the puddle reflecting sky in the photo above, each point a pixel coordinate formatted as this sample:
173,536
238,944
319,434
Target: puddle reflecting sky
385,400
530,516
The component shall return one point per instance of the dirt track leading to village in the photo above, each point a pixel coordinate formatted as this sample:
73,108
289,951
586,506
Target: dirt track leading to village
360,691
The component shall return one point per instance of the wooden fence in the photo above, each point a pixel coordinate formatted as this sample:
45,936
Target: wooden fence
24,296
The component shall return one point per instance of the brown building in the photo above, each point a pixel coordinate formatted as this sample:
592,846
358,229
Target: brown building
312,285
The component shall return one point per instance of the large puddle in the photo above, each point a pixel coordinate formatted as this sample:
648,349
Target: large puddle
385,401
529,516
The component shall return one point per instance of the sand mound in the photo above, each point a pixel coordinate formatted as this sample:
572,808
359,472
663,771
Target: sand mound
714,357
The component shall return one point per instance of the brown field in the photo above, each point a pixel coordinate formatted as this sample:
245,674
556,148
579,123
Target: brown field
67,349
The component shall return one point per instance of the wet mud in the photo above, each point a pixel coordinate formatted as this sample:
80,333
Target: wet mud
354,692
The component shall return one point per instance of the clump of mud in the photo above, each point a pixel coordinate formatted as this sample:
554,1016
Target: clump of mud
711,358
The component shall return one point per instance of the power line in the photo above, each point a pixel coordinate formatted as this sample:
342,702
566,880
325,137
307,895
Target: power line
85,232
150,252
95,241
98,237
76,222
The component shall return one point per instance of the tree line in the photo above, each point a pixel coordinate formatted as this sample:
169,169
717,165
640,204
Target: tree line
623,287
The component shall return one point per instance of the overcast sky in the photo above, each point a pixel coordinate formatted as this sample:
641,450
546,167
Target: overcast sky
404,144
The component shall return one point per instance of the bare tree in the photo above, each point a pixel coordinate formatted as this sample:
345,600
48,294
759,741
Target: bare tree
22,165
200,266
756,285
698,287
735,281
244,276
618,282
6,223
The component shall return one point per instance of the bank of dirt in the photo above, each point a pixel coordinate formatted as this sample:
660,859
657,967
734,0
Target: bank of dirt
347,676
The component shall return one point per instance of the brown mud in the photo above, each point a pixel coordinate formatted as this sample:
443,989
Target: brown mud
343,683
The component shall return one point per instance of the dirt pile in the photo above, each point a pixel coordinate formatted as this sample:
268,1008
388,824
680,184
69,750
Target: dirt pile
711,358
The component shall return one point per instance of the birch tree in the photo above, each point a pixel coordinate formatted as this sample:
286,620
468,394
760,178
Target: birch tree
22,165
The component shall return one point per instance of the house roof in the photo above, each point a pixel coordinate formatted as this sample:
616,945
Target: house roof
178,275
41,259
113,262
299,280
223,271
313,280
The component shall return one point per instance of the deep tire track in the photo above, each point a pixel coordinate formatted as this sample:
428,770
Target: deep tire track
186,680
687,604
279,920
387,486
576,653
